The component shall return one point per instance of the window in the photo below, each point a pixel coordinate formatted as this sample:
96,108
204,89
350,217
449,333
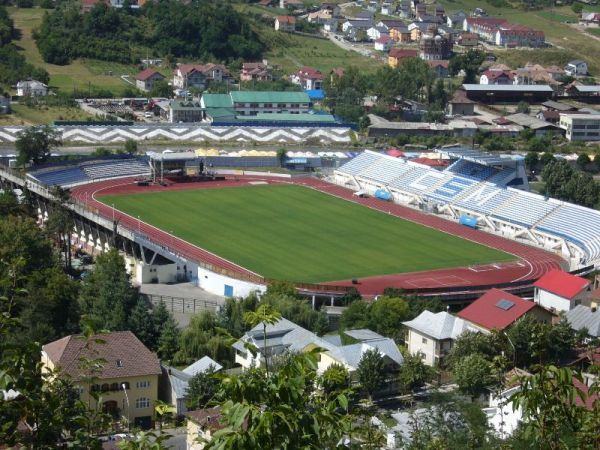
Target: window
424,340
142,403
142,384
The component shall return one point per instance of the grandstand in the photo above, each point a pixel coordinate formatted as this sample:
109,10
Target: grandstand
66,175
479,185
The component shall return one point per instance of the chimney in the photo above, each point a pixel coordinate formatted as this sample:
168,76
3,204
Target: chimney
594,309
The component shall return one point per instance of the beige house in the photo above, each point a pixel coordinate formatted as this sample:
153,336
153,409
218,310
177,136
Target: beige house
431,335
201,424
127,381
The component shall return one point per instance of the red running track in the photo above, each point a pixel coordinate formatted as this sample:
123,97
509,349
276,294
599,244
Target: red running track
532,262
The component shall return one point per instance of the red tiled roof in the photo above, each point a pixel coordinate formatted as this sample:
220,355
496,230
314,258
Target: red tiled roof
123,353
590,399
400,53
210,417
494,74
147,74
309,73
486,21
286,19
485,312
562,283
383,39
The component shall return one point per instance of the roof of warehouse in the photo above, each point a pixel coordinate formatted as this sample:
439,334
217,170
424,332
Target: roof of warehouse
269,97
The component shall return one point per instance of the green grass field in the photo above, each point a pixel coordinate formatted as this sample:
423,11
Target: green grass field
298,234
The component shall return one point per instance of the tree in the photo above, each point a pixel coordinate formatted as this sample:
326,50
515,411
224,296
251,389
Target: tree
547,158
61,223
356,315
140,323
281,156
386,314
371,371
583,160
202,337
335,379
414,373
577,8
265,314
35,144
468,62
523,107
161,88
474,374
202,388
107,296
280,410
531,160
9,205
131,147
168,342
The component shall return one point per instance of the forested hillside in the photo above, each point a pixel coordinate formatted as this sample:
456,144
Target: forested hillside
200,30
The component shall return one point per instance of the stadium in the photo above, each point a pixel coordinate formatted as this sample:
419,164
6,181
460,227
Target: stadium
375,222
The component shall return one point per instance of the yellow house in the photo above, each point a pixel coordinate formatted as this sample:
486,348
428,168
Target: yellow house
127,380
201,424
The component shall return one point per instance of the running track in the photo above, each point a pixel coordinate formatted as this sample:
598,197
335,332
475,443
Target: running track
532,262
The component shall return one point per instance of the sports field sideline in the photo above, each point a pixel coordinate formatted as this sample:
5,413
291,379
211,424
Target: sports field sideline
294,233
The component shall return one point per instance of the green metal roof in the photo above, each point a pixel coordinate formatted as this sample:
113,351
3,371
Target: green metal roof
217,100
269,97
220,112
289,117
178,105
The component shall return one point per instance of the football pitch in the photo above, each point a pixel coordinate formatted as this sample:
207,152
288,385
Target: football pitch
294,233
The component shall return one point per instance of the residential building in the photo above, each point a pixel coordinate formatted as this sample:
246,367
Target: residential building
145,80
291,4
498,310
256,71
539,127
511,35
350,355
537,74
199,76
388,9
356,25
200,427
400,34
484,27
128,378
468,39
560,291
404,9
503,417
330,25
396,56
31,88
183,111
376,32
384,43
308,78
174,383
285,23
282,336
440,67
590,19
456,20
577,67
497,77
583,317
433,46
460,104
431,335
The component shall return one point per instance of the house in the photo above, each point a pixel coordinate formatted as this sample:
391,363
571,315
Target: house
199,76
433,46
396,56
400,34
388,9
145,80
356,25
201,425
128,378
484,27
330,25
502,417
404,9
497,77
440,67
590,19
350,355
560,291
420,10
498,310
174,383
583,317
333,8
539,127
375,33
512,35
256,71
537,74
432,334
282,336
308,78
468,39
576,68
184,111
552,117
291,4
456,20
285,23
460,105
31,88
384,43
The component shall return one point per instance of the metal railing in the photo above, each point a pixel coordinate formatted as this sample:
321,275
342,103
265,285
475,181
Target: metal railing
181,304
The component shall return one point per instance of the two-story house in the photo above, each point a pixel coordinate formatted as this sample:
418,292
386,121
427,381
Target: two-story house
431,335
127,377
145,80
199,76
560,291
255,71
308,78
31,88
285,23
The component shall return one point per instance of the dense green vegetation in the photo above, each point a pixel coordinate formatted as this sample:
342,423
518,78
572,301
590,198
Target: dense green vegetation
259,227
13,65
201,29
